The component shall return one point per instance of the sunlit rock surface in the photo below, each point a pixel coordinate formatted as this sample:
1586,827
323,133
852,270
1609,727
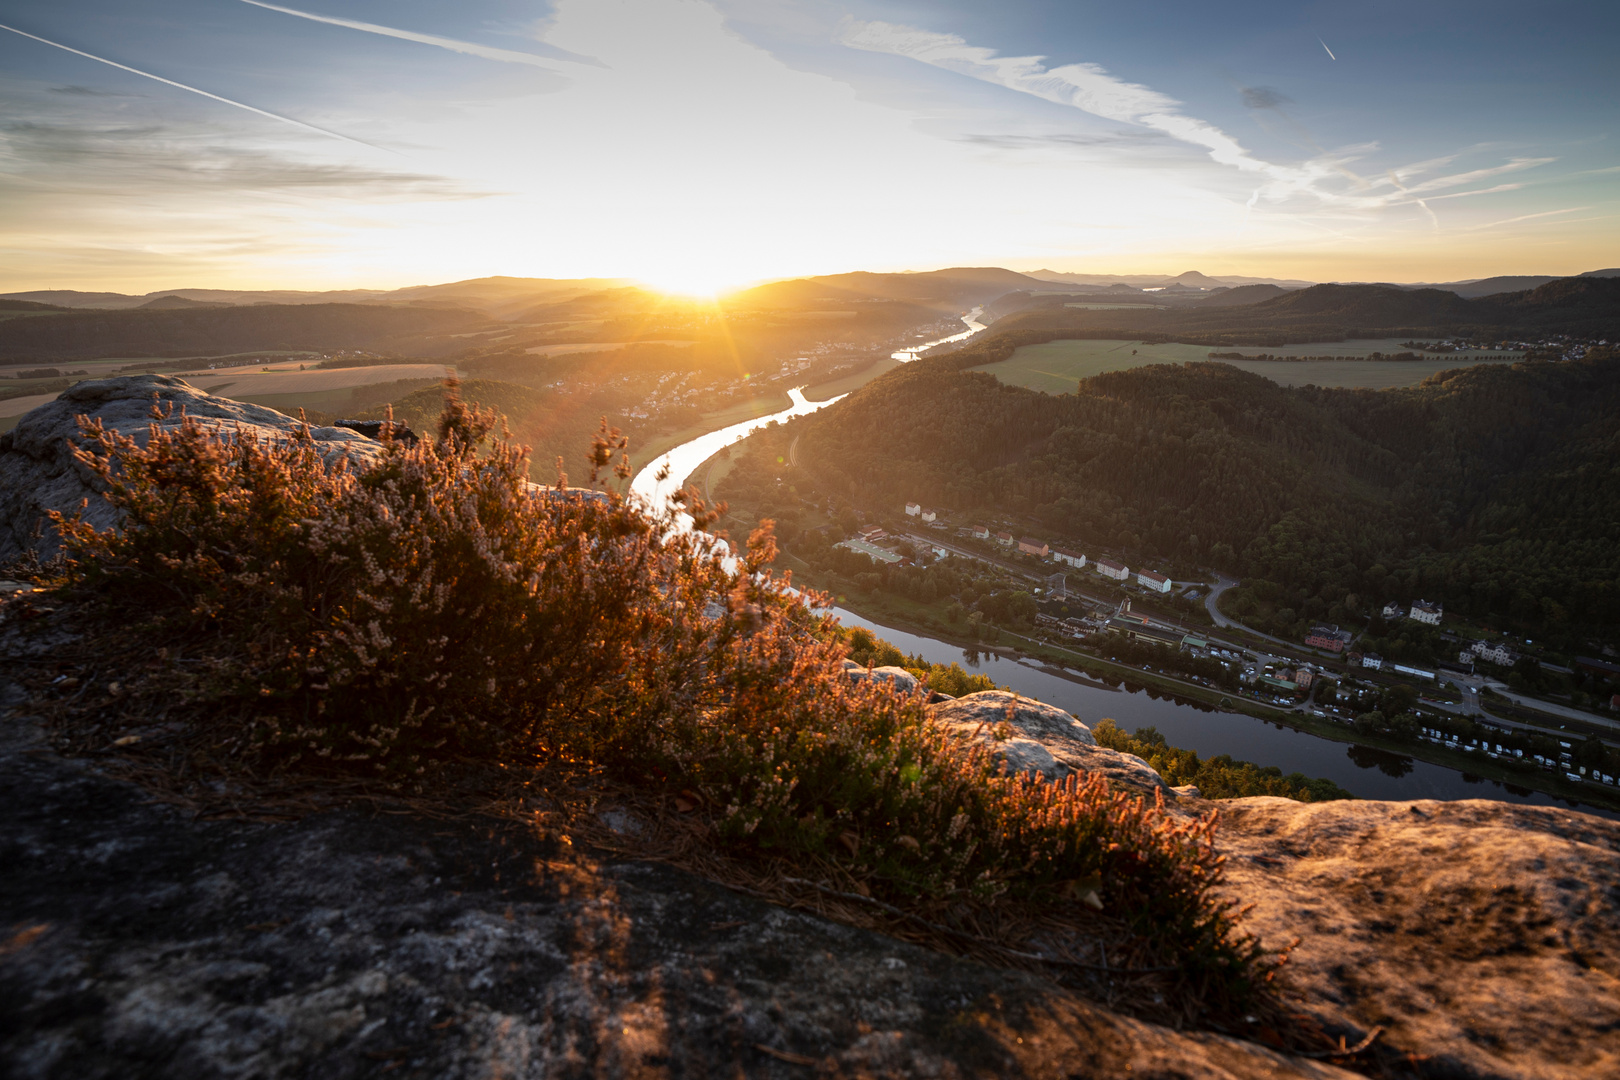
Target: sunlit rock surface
1482,936
1032,737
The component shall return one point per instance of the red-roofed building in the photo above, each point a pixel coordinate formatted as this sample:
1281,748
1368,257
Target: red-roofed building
1034,547
1149,580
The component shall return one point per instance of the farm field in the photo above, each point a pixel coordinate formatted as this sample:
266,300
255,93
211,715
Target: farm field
567,347
251,385
1056,366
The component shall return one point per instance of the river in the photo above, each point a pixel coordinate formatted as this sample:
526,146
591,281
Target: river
1363,771
1368,773
684,460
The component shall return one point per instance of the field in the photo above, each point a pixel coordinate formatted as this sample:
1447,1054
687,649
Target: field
1056,366
568,347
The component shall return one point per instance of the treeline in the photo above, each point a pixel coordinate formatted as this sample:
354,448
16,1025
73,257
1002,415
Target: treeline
1491,489
1219,777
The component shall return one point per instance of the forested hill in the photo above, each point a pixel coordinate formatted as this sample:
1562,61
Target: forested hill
1586,306
1491,488
212,331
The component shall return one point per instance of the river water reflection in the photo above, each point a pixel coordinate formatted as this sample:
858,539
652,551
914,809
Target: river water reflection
1363,771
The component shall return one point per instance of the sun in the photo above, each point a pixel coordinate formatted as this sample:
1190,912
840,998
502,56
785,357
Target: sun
692,280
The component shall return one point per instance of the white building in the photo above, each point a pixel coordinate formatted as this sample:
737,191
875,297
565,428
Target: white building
928,515
1072,558
1110,569
981,532
913,509
1393,611
1496,654
1149,580
1425,612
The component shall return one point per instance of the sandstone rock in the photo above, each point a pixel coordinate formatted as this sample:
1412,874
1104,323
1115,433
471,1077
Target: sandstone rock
1032,737
38,473
1484,937
136,940
902,680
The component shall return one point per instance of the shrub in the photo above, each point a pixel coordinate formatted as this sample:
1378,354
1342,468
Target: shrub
1219,777
430,606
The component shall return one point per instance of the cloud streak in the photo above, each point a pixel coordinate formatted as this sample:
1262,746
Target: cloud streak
466,48
1087,87
191,89
1090,88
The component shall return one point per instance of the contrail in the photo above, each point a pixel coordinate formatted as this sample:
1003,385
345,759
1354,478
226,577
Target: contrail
488,52
1329,51
192,89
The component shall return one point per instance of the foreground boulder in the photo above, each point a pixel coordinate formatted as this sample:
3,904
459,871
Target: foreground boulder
38,472
1483,937
1031,737
898,677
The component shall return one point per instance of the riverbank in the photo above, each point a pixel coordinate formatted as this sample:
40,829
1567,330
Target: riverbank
917,619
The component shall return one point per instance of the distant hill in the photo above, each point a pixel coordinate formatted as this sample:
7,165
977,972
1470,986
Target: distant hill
494,296
955,287
178,303
1584,305
210,331
1192,279
1243,294
28,305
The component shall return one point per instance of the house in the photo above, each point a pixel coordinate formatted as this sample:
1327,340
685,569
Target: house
1392,612
928,515
1372,660
1425,612
1149,580
1303,678
1496,654
1072,558
1110,569
980,532
1005,539
1329,637
913,509
882,555
873,533
1034,547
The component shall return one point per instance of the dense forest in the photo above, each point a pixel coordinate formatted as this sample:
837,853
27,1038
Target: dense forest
1492,489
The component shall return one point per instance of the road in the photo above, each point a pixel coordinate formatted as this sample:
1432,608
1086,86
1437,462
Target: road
1212,605
1553,708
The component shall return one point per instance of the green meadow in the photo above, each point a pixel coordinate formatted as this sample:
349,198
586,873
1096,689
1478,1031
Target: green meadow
1056,366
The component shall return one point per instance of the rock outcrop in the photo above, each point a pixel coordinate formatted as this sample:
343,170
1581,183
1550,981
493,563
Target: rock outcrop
136,940
898,677
1031,737
1483,937
38,472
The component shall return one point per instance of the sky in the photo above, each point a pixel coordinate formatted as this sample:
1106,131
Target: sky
702,144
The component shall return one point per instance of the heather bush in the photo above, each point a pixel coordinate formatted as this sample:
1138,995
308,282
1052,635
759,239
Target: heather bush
431,606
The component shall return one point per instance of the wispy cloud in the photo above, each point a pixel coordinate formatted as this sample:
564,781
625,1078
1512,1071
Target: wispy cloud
467,48
1528,217
1326,177
1088,87
191,89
